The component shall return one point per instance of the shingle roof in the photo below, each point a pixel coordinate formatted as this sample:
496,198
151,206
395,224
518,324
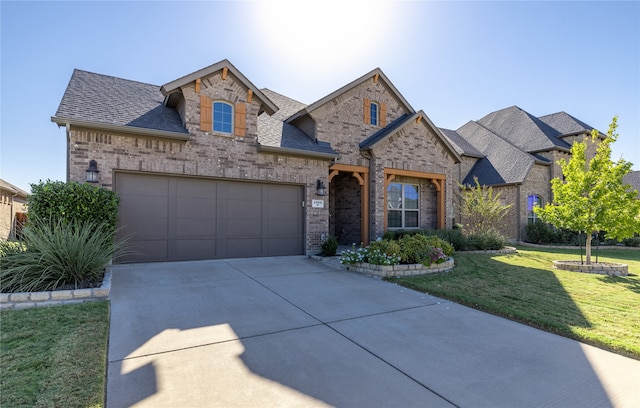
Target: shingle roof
503,163
275,133
566,124
102,99
5,185
384,132
523,130
462,146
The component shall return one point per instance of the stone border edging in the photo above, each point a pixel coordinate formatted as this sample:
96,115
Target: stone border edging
505,250
387,271
532,245
600,268
25,300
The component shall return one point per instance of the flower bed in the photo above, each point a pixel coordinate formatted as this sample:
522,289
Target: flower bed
411,255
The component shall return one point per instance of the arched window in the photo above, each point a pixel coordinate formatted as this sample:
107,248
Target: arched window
222,117
533,201
374,113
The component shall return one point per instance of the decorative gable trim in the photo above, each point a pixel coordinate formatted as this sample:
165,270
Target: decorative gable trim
225,66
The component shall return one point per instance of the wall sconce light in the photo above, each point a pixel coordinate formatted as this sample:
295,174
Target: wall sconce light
321,190
92,172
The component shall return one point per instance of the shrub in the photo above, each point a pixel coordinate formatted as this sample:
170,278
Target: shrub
330,246
388,247
82,202
539,232
413,248
632,242
58,254
437,242
488,240
11,247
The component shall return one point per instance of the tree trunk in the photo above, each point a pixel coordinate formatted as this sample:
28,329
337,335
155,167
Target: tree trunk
588,247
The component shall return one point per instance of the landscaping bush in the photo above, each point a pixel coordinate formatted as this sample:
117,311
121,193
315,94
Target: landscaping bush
330,246
539,233
11,247
388,247
413,248
80,202
437,242
632,242
58,255
485,241
375,254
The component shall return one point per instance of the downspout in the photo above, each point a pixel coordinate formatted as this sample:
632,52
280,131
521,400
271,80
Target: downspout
68,128
519,215
12,231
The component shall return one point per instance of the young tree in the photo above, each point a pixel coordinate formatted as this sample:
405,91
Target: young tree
481,208
593,197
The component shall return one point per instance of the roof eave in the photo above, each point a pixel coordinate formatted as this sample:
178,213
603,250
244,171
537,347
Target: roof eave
164,134
296,152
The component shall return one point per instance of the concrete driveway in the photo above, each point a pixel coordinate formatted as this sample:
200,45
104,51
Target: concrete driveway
291,331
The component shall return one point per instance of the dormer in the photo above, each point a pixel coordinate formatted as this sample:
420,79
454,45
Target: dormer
217,100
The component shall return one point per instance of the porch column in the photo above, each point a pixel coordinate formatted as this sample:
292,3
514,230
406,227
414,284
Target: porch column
440,189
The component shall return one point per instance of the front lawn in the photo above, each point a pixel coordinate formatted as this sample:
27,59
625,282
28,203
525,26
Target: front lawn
54,356
596,309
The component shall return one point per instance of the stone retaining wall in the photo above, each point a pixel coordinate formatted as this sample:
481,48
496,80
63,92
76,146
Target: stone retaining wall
601,268
24,300
386,271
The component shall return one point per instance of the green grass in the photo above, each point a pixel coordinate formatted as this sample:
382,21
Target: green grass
54,356
596,309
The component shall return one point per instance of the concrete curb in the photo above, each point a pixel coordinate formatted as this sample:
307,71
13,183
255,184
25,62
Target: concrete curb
26,300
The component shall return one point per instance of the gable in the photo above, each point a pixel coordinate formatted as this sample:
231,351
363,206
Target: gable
172,90
396,130
376,75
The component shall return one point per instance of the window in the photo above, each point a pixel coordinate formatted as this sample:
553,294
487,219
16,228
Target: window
373,114
403,205
222,117
533,201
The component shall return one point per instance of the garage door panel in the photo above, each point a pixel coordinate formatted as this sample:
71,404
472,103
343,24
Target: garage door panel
191,207
145,251
283,246
244,247
187,249
181,218
195,228
279,228
196,188
151,186
144,227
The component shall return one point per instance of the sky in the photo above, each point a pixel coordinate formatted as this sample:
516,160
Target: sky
457,61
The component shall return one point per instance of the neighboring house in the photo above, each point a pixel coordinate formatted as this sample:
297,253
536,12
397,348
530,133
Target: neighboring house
209,166
13,209
516,154
633,179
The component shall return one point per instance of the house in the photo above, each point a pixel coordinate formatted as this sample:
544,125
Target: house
13,209
210,166
517,155
633,179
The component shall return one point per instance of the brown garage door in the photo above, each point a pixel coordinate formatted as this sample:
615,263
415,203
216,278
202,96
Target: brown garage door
179,218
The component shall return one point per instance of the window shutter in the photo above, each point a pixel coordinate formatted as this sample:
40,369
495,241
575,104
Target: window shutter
240,121
206,114
367,111
383,114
